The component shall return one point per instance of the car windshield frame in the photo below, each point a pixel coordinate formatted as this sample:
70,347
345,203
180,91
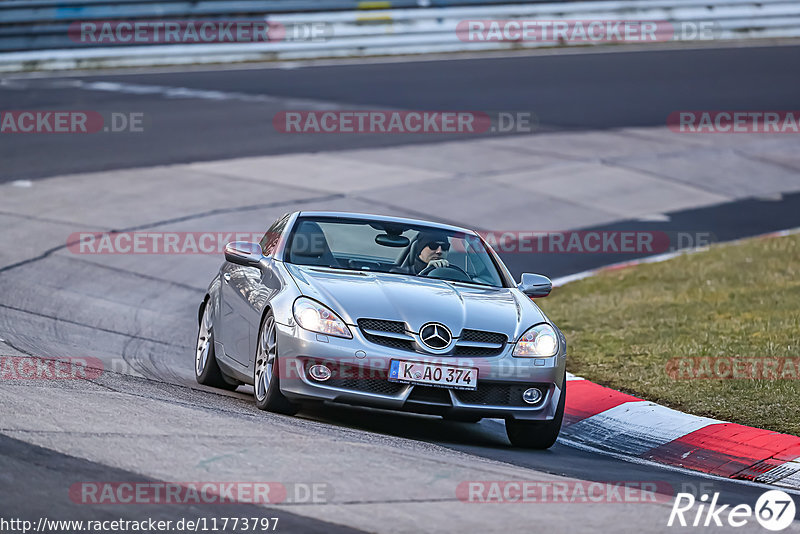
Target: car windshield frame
492,261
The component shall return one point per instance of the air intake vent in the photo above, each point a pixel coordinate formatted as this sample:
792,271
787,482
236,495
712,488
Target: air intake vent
386,333
480,343
490,394
483,337
384,326
429,395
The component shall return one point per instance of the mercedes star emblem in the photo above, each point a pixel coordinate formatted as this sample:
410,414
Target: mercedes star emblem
435,336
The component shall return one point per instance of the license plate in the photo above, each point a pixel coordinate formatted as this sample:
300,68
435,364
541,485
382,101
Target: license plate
433,374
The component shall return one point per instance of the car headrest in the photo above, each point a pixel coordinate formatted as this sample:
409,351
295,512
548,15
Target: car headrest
309,241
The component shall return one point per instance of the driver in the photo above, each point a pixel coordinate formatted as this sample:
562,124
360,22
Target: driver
433,247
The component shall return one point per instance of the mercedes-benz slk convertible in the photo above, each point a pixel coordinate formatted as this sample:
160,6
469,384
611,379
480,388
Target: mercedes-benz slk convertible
384,312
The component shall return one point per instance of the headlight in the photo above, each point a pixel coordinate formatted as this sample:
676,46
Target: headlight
313,316
538,341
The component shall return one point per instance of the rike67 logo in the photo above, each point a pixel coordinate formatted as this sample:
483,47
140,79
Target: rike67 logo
774,510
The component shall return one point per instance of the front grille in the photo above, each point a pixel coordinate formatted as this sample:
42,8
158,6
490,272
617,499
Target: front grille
380,325
398,327
384,326
480,336
430,395
490,394
483,337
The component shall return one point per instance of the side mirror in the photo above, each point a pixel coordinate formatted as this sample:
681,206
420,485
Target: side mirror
535,285
244,253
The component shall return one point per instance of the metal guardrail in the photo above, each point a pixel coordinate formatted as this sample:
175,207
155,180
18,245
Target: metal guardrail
359,32
41,24
43,11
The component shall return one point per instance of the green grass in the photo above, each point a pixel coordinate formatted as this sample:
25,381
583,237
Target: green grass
738,300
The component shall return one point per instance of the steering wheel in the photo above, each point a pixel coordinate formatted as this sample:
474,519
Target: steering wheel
429,268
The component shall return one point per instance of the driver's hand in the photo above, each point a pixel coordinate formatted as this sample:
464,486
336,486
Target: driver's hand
437,264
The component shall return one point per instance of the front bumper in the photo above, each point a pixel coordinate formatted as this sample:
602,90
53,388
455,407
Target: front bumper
361,367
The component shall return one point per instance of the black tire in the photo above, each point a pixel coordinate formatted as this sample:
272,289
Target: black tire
206,368
537,434
266,379
462,418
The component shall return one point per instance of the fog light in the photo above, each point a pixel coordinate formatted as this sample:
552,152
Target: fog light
320,373
532,395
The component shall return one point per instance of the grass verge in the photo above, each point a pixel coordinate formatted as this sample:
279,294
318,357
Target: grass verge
716,333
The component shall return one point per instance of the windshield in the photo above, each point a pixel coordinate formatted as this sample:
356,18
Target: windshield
390,247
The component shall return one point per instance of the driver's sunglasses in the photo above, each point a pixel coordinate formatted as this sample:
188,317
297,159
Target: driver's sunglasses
433,245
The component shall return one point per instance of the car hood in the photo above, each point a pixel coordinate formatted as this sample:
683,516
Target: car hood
357,294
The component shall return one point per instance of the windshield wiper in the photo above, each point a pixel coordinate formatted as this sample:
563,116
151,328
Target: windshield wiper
457,281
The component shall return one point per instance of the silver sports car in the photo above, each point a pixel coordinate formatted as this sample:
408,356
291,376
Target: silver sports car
384,312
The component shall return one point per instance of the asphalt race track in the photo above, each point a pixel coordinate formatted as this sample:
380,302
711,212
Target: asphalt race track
145,419
589,91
